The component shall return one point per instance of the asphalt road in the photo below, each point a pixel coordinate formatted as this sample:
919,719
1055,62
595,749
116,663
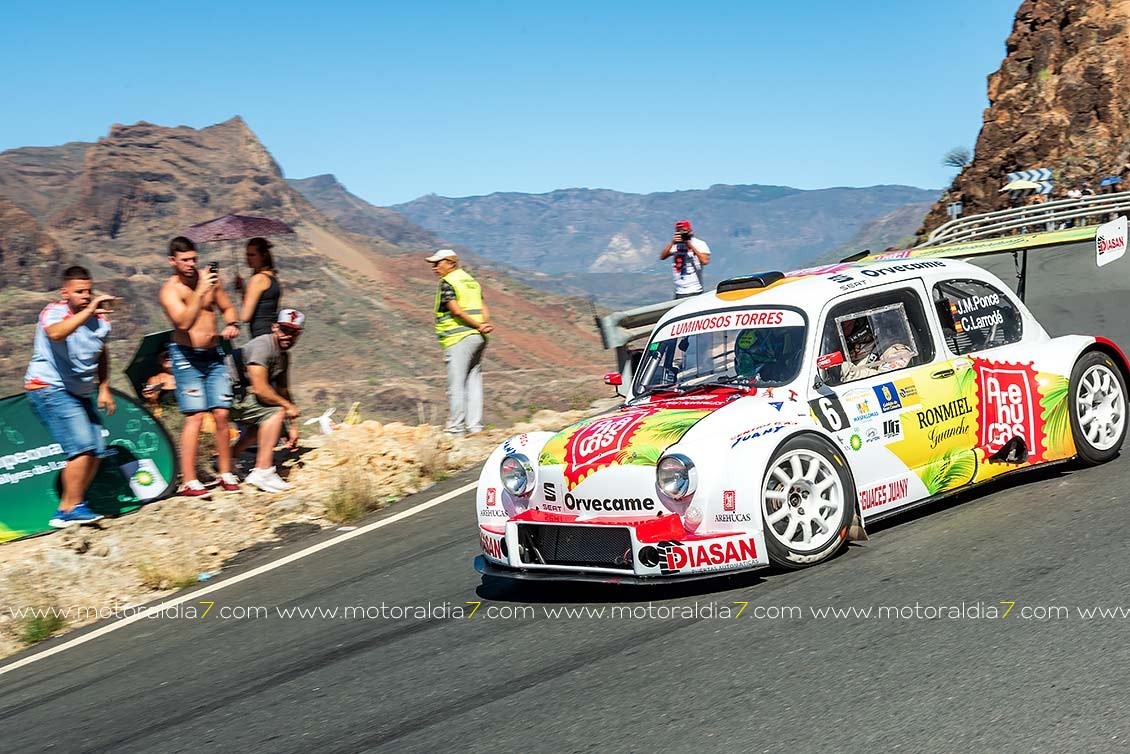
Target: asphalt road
1053,543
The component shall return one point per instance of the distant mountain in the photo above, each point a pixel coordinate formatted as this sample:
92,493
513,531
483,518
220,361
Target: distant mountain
881,233
358,216
582,235
114,204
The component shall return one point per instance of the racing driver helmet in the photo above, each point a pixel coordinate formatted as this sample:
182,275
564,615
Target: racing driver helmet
755,348
860,338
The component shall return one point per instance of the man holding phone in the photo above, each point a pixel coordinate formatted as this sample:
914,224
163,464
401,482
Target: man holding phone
69,363
690,256
190,298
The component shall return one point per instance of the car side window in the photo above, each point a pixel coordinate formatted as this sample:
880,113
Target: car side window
976,316
874,335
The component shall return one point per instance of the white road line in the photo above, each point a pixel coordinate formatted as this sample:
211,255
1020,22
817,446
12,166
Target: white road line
237,579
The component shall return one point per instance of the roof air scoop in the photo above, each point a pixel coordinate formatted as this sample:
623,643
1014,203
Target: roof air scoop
745,282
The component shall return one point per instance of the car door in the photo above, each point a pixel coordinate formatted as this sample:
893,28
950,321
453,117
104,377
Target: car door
982,327
902,423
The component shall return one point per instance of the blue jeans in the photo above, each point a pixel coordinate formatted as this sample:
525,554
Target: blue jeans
72,420
202,379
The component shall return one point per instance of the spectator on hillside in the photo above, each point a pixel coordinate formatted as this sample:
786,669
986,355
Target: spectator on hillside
462,323
69,364
262,293
690,255
190,299
260,375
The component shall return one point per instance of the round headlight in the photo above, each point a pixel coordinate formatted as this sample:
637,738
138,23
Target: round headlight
675,476
517,474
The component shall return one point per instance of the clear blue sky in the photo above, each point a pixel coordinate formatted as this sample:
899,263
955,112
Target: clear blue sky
402,99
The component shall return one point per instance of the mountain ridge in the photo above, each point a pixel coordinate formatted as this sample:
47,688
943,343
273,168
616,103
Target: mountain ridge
607,242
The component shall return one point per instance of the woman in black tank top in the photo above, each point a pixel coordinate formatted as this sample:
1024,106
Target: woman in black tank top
262,293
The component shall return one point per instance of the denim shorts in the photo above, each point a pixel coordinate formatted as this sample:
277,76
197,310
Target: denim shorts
202,378
72,420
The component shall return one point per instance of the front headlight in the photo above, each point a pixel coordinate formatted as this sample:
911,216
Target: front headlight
675,476
517,474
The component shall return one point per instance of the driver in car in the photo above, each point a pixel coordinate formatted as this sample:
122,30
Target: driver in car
865,360
760,355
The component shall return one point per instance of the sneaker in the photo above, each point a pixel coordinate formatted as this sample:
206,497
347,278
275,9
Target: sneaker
80,514
474,430
453,432
194,489
229,481
267,480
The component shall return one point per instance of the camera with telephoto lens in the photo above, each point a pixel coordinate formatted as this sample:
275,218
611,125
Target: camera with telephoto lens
213,267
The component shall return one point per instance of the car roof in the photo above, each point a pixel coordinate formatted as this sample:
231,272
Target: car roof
810,288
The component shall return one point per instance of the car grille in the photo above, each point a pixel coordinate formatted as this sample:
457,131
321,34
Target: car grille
592,546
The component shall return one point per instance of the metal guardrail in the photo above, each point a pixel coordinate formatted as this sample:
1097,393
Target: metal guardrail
1089,210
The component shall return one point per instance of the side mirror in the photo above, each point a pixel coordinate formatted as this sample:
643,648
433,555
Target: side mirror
613,378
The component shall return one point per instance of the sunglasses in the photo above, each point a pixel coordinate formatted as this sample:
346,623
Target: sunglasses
290,330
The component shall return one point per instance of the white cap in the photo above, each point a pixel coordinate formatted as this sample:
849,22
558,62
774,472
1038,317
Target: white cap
442,254
292,317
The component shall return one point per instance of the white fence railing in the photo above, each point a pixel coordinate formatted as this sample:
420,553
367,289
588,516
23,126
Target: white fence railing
1063,213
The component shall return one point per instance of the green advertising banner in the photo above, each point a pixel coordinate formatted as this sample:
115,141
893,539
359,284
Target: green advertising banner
143,467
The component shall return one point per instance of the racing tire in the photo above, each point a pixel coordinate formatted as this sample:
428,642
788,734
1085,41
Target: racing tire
807,502
1097,408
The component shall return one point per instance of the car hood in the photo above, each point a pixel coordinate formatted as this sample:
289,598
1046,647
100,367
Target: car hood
634,435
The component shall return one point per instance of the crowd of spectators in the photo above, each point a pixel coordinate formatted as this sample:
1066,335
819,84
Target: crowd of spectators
201,368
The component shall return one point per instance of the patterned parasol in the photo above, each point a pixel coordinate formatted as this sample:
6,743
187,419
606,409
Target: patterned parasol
236,227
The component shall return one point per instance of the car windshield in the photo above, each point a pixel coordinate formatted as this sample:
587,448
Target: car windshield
761,347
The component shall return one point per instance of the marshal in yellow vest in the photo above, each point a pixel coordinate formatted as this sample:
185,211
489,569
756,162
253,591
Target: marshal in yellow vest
450,330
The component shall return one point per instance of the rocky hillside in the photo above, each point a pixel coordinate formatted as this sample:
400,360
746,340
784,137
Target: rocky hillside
114,204
608,242
27,253
1061,99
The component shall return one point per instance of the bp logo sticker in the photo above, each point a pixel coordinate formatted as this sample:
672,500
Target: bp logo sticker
856,442
144,478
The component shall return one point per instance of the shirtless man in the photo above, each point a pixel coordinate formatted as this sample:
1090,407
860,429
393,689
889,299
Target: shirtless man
189,299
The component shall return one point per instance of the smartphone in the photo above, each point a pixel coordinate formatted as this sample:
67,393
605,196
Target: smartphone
109,304
213,266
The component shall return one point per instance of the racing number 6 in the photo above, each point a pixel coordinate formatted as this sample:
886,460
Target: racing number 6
830,412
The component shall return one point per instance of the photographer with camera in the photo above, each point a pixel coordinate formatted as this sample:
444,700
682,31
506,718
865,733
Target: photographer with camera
190,297
690,256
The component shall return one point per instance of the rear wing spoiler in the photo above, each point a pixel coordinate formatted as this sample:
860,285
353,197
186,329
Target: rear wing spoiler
1107,240
619,329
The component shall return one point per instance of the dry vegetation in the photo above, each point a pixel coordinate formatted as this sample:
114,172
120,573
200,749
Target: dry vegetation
171,544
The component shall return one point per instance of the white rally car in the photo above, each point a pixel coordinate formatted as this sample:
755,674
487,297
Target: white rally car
769,421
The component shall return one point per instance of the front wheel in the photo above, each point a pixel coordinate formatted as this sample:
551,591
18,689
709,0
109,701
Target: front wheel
807,502
1098,408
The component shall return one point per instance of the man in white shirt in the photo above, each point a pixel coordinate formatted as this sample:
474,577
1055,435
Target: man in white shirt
690,256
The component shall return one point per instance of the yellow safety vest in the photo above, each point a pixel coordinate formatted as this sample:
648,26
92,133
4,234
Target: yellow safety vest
450,330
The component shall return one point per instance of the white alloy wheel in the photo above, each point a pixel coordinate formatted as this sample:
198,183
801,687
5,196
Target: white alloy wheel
803,500
1100,407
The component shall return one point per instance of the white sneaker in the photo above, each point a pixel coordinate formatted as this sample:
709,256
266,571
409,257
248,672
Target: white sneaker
267,480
